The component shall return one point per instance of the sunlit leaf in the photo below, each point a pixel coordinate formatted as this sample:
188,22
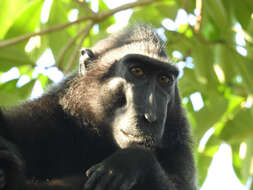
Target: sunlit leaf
203,56
182,28
247,164
9,10
13,56
58,15
243,11
26,23
43,80
205,157
239,127
237,161
225,59
212,112
217,12
189,84
109,21
153,14
11,95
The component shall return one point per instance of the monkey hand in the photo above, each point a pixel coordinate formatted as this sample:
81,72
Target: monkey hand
11,167
122,171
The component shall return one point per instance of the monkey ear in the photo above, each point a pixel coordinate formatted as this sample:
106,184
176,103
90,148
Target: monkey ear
85,60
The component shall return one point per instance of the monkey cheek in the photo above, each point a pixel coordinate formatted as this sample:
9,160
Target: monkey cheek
115,83
120,139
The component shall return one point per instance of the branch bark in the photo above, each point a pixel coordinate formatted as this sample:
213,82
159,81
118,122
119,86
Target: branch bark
43,32
77,49
96,17
67,47
199,6
84,5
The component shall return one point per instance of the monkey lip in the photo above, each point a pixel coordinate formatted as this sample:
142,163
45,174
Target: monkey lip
129,135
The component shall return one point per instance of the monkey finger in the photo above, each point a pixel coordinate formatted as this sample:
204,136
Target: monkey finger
94,177
92,169
116,182
105,181
2,179
6,155
128,184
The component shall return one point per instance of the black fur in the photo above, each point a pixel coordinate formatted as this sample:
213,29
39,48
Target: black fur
61,135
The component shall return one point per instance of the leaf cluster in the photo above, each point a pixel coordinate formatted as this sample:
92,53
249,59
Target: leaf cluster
210,62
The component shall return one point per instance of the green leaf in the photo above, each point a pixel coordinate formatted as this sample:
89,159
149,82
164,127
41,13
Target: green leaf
175,41
210,114
182,28
25,91
232,109
102,6
209,30
153,14
13,56
21,24
216,10
244,68
203,57
58,15
11,95
107,22
189,84
224,58
247,161
243,11
43,80
205,157
203,163
237,161
10,9
239,127
189,33
168,9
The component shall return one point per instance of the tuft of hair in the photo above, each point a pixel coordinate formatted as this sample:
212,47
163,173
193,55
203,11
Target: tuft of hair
137,39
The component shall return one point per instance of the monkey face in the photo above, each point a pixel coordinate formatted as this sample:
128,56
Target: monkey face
136,99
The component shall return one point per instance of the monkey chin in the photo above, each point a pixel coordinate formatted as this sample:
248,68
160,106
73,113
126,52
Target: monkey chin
126,140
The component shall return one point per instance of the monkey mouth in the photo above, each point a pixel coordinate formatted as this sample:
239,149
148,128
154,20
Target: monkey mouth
128,134
145,141
134,137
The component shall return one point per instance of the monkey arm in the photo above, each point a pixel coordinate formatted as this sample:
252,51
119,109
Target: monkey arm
178,164
133,169
64,183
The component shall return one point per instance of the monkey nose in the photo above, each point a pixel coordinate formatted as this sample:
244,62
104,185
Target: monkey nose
150,117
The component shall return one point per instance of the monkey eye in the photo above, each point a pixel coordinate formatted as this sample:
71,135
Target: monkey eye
164,79
137,71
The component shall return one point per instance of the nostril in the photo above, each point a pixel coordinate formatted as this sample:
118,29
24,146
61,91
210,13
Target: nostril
122,101
149,117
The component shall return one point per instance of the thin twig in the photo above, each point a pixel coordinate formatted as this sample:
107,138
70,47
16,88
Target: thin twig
67,47
199,6
107,13
84,5
77,49
185,4
46,31
95,18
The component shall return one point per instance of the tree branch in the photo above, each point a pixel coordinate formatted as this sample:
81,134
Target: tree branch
67,47
199,6
84,5
46,31
77,49
103,15
95,18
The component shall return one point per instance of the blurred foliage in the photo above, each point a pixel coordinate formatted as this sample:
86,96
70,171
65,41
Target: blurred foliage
209,59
